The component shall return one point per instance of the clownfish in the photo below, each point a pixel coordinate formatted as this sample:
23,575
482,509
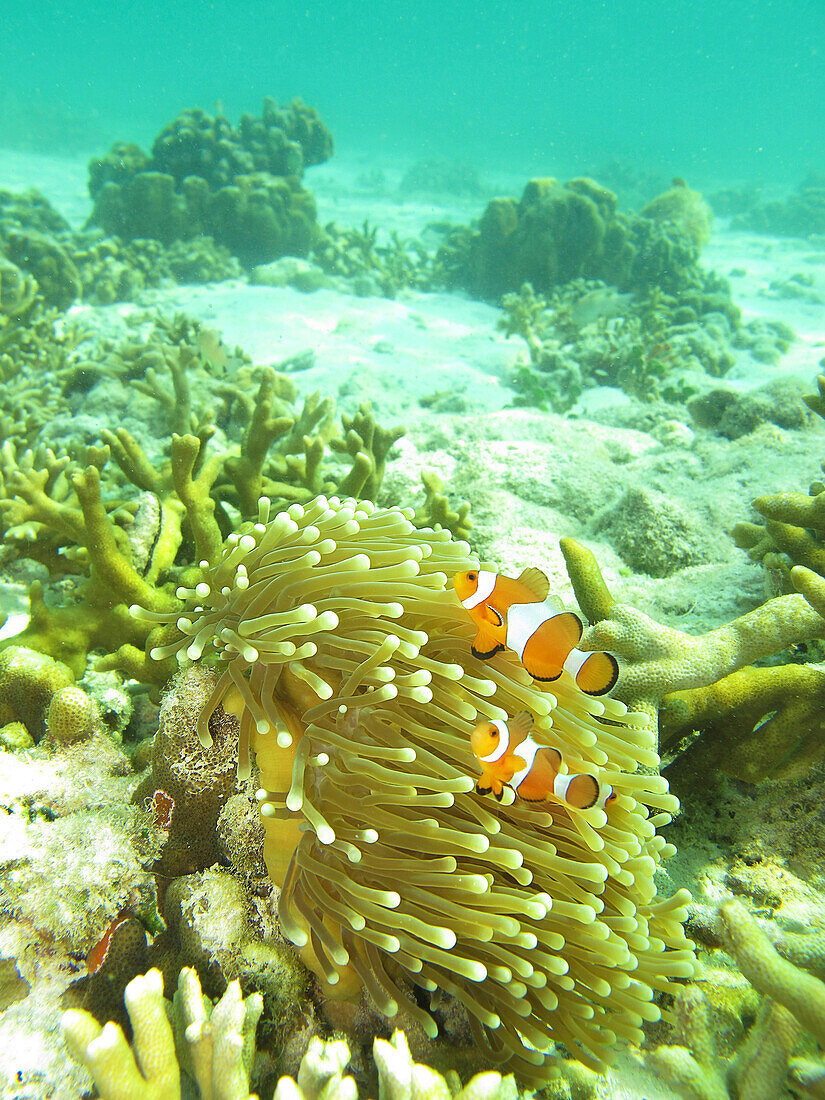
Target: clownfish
508,755
516,614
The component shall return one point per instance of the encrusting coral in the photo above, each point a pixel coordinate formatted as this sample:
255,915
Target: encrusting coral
347,657
215,1045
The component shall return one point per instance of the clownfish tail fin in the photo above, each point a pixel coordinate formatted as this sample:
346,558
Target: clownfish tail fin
594,673
581,791
536,582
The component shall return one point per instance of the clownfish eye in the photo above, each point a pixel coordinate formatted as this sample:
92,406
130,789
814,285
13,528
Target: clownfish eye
472,576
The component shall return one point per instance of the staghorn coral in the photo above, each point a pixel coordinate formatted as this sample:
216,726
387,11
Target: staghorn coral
215,1045
87,522
792,531
681,680
347,659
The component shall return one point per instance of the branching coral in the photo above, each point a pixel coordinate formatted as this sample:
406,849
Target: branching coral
84,521
216,1045
697,1070
348,659
321,1076
708,680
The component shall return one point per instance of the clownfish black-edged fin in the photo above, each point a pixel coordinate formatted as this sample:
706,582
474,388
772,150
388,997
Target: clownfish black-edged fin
583,791
485,645
537,583
498,797
599,674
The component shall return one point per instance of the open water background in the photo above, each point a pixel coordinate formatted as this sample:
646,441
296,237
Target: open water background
714,90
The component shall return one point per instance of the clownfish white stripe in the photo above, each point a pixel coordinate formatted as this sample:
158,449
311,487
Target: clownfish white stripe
484,589
575,660
527,751
523,620
560,785
503,744
605,792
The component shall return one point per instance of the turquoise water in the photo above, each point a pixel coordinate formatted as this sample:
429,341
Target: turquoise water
710,90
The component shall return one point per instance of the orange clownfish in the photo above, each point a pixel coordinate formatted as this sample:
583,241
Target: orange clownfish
509,755
517,615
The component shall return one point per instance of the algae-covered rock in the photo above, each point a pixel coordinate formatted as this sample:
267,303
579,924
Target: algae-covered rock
732,414
656,535
684,210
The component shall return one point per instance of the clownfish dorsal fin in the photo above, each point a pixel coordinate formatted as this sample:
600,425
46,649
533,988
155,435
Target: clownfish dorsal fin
520,725
536,582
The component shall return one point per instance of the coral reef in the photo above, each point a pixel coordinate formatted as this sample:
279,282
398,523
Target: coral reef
40,693
373,263
127,523
757,720
46,263
556,233
801,214
322,1070
240,186
655,346
763,1065
792,531
347,659
216,1044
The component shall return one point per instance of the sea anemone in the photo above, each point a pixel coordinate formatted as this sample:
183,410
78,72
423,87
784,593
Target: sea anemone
346,655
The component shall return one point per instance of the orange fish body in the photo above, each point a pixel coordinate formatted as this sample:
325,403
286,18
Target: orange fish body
516,614
509,756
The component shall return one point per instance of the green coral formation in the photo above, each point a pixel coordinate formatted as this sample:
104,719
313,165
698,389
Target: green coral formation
239,185
126,522
47,265
709,681
792,531
399,1076
766,1063
653,345
39,693
800,214
559,232
375,263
